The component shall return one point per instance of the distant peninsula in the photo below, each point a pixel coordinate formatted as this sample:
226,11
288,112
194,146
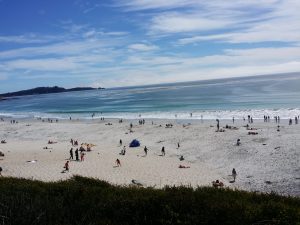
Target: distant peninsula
44,90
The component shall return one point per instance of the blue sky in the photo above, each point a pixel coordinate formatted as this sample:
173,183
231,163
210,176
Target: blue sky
135,42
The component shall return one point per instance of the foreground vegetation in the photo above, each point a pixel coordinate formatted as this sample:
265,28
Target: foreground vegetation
89,201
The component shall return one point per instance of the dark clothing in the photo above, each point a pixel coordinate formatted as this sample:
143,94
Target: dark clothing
71,153
76,155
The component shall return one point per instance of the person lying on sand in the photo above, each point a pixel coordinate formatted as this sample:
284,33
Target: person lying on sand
123,151
221,130
169,125
52,142
183,167
231,127
251,128
252,133
46,148
217,184
136,182
3,142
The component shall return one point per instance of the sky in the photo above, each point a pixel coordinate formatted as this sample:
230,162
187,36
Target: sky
113,43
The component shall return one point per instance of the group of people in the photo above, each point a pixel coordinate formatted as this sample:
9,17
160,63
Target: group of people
220,184
142,122
74,142
296,120
250,119
82,154
79,153
266,119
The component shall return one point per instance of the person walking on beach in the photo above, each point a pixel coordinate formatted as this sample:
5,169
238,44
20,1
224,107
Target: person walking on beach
178,145
218,124
76,154
234,174
163,153
71,153
123,152
145,150
67,166
238,142
118,163
121,142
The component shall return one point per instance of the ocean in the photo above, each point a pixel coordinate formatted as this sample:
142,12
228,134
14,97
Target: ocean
272,95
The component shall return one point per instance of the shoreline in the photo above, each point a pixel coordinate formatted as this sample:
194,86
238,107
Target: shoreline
211,155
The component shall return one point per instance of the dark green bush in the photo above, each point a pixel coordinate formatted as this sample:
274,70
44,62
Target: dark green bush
89,201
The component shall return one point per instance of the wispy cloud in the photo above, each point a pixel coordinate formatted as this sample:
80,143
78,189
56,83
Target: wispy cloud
180,23
29,39
142,47
224,21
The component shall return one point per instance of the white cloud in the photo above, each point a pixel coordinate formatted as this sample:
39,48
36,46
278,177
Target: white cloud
142,47
135,5
30,38
237,21
148,69
278,22
176,23
62,48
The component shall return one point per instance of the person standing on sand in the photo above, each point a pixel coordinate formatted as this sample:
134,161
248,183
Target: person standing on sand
163,153
118,163
234,174
218,124
121,142
71,153
145,150
76,154
0,171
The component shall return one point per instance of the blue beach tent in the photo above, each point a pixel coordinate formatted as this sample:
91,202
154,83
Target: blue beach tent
134,143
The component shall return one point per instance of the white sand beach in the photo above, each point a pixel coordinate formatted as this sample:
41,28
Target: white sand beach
268,161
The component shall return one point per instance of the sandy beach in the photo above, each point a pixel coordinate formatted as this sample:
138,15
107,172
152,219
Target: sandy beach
268,161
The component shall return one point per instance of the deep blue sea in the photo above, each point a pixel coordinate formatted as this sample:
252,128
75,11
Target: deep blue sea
211,99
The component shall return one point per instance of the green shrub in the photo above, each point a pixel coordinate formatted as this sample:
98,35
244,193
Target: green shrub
90,201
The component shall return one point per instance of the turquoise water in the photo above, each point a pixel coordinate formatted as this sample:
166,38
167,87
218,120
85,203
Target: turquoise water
224,98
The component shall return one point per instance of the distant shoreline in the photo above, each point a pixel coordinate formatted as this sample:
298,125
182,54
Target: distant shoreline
43,90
